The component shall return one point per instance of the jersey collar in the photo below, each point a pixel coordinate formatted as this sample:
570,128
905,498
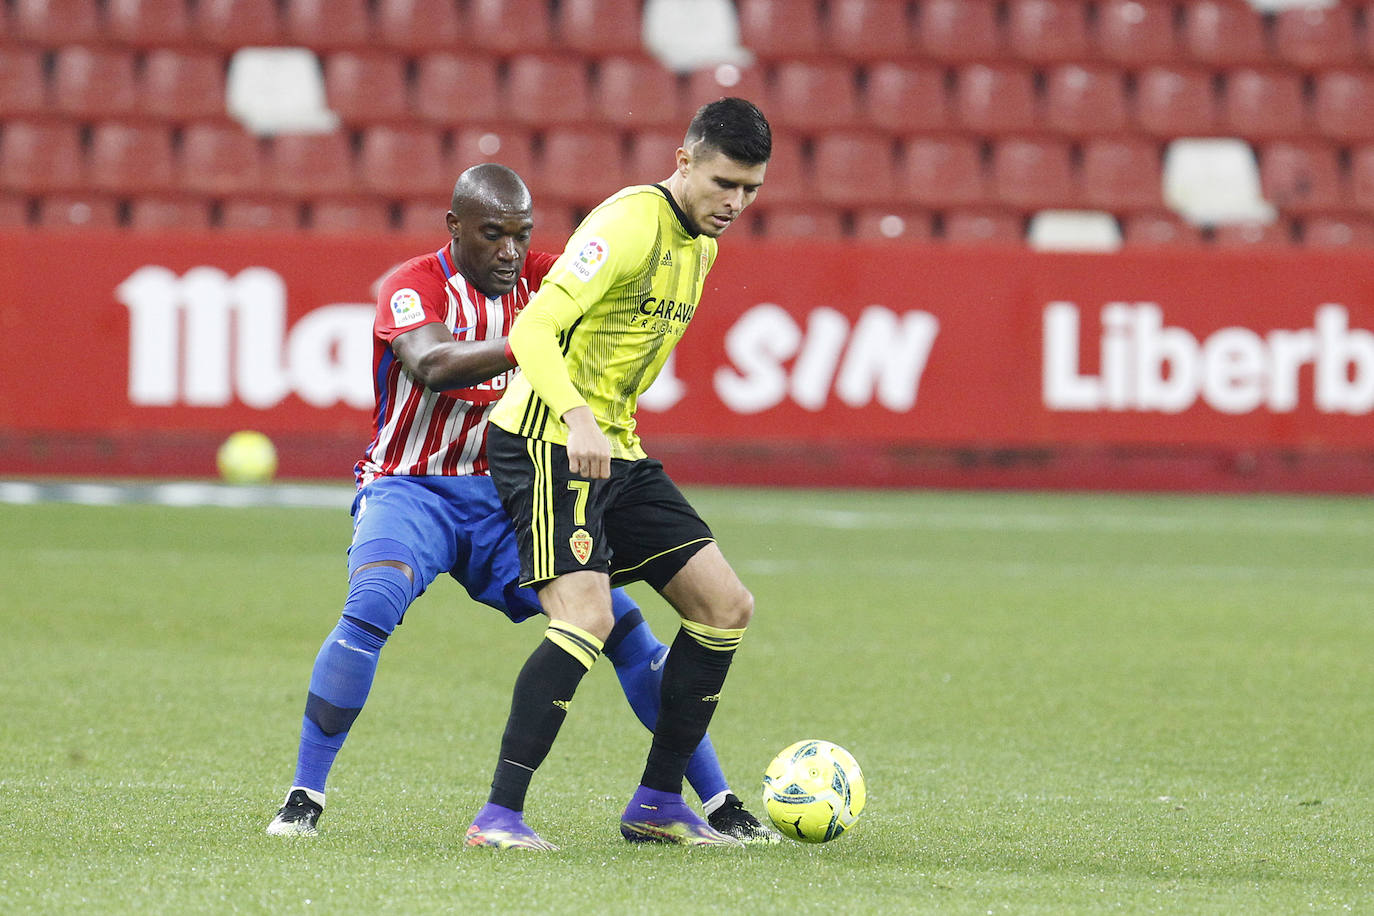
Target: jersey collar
681,217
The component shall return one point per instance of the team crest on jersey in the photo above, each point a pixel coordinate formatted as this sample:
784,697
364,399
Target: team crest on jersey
406,308
581,544
590,258
705,262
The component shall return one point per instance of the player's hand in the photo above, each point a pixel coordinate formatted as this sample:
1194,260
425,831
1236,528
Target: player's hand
589,451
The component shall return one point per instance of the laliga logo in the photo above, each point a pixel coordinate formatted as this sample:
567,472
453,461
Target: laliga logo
204,338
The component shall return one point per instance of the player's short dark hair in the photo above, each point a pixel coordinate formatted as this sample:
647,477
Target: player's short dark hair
733,126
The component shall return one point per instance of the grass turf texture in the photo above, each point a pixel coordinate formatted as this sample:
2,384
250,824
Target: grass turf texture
1061,703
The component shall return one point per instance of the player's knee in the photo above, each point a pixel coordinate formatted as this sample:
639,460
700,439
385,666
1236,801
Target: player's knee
378,594
739,610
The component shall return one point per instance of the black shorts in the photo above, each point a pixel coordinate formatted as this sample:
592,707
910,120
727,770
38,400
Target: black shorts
635,526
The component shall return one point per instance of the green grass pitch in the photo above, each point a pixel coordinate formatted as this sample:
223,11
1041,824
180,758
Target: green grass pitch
1061,703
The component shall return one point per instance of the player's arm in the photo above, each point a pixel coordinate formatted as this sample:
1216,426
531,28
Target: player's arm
440,363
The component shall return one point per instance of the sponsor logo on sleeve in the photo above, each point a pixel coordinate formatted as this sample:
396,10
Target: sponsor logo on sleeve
589,259
405,308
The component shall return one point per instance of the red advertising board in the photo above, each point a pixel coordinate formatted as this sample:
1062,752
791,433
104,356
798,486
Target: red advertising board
806,362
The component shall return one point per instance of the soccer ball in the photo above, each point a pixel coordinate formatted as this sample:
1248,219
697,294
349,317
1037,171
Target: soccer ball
247,457
813,791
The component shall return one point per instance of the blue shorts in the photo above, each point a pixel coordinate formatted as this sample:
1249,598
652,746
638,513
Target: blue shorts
437,525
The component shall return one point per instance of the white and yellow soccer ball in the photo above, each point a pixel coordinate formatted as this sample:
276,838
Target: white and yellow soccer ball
813,791
247,456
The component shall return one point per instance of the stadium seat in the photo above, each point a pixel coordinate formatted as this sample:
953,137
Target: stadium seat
1176,102
580,165
1338,231
1259,104
148,23
41,157
1301,177
547,89
1214,180
1311,36
417,26
306,165
813,95
869,30
1153,230
365,87
598,27
271,90
552,226
711,83
348,216
90,82
252,214
56,22
1073,230
937,172
851,168
638,92
14,209
161,214
327,25
22,87
1085,101
1136,31
995,99
958,31
686,35
456,87
501,142
234,24
181,86
1343,105
1222,33
1033,174
788,179
905,98
1249,234
1047,31
649,157
402,161
217,159
78,210
1122,174
1362,177
983,226
798,221
775,29
893,224
510,26
131,159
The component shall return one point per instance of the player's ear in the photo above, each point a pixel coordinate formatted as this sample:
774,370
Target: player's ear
451,220
684,159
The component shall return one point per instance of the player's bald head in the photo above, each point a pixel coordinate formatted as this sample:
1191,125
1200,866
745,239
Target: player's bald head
488,189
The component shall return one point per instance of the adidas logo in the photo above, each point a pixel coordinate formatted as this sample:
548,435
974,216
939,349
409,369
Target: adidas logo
667,259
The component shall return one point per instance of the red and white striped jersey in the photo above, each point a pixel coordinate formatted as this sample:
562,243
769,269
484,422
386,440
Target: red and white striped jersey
418,432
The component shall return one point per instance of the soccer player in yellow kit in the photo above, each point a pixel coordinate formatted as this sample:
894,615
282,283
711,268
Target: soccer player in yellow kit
589,507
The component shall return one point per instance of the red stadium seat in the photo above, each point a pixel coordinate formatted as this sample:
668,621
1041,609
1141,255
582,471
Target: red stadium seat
1315,36
217,159
497,142
1362,178
1122,174
403,162
543,90
1263,103
1278,234
1137,31
14,209
813,95
41,157
93,82
983,226
161,214
366,87
57,22
1223,33
649,157
250,214
939,172
869,30
578,165
1034,174
787,180
131,159
306,165
78,210
852,168
552,226
958,31
148,23
1085,101
510,26
22,88
903,98
1343,106
1176,102
1047,31
1153,230
638,92
798,221
411,26
456,87
182,85
995,99
711,83
237,23
775,29
881,224
348,216
327,25
1338,231
1301,177
598,27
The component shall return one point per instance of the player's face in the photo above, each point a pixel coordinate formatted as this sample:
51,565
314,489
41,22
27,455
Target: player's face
489,247
716,188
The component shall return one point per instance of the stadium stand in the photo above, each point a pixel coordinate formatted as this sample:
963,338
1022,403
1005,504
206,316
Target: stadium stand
775,29
327,25
454,87
180,86
148,24
1047,31
1135,32
93,82
1084,101
958,31
868,30
418,26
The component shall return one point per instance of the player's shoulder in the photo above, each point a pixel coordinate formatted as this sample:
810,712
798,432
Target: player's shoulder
422,273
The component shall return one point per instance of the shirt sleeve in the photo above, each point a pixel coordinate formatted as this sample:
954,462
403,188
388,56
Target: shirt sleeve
408,298
534,341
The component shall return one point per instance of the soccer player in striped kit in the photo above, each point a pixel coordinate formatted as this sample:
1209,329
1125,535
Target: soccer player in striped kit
425,504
